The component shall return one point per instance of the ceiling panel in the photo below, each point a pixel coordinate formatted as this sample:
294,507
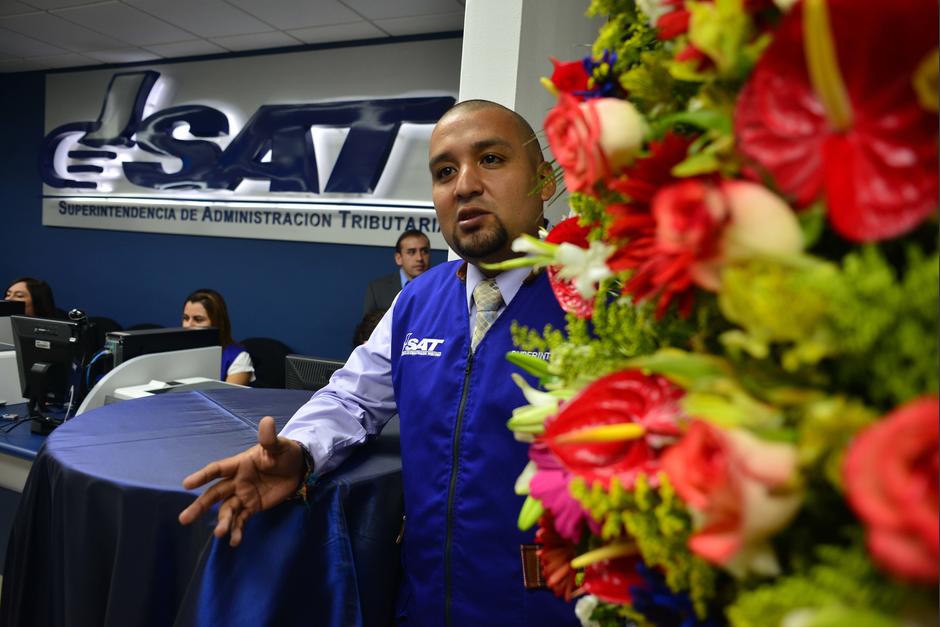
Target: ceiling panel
65,34
126,55
386,9
16,45
257,41
338,32
47,5
206,18
125,23
422,24
18,65
63,60
193,47
292,14
12,7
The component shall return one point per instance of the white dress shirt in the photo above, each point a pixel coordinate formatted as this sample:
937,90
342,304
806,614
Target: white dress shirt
359,398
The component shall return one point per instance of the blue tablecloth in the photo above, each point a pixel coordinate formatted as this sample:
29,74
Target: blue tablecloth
96,541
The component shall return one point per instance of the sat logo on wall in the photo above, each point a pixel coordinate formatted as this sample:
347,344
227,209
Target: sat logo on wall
344,170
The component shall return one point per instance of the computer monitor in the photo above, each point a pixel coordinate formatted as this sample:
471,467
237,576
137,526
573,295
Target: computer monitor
303,372
9,308
50,360
125,345
12,308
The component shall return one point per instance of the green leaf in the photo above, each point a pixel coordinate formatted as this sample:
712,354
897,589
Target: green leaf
531,364
685,369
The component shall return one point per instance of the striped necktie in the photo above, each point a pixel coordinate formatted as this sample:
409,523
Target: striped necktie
488,301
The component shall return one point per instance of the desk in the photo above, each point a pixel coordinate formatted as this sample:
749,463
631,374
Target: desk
95,541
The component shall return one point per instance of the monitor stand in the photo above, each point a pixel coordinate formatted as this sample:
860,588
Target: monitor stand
39,376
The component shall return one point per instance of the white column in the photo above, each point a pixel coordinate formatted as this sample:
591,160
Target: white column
506,49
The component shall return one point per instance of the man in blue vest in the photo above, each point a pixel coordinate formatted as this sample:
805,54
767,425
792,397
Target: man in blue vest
438,358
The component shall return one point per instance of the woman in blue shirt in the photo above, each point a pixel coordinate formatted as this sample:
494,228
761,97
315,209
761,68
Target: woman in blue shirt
206,308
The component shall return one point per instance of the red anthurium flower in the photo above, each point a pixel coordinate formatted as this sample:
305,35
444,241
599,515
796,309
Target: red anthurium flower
611,580
565,292
835,115
569,77
616,426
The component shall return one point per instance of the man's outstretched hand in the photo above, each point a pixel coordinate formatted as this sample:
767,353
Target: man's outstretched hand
254,480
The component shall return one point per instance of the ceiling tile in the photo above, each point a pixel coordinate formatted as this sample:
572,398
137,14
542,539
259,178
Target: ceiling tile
189,48
257,41
18,65
47,5
124,23
126,55
290,14
12,7
422,24
63,60
65,34
206,18
383,9
337,32
16,45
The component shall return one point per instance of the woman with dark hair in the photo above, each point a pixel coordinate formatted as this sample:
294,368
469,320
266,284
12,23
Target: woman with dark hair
35,294
206,308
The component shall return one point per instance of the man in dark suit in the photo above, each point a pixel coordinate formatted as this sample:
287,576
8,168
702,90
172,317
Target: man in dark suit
412,256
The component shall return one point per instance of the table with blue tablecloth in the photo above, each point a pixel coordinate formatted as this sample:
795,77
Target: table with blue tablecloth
96,540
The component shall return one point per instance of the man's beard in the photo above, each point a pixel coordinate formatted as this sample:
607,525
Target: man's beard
481,243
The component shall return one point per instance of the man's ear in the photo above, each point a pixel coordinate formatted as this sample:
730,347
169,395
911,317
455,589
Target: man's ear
546,181
398,259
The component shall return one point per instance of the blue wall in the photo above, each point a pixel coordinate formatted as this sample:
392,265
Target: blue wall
306,295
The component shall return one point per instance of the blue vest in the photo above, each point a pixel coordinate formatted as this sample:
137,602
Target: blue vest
229,353
459,461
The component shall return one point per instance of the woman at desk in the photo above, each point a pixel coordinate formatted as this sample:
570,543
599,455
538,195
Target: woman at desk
206,308
36,295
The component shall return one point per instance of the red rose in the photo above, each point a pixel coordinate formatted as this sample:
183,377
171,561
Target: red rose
698,227
890,476
738,486
593,140
569,76
622,398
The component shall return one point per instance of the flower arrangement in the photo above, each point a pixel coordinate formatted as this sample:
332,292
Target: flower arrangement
741,417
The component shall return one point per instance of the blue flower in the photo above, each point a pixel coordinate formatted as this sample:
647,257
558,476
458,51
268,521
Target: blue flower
663,607
603,81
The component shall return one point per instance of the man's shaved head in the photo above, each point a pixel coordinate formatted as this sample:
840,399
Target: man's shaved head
526,134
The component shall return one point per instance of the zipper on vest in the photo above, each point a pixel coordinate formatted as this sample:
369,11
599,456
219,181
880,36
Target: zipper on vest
455,449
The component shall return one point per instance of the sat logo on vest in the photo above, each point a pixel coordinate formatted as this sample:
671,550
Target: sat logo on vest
425,347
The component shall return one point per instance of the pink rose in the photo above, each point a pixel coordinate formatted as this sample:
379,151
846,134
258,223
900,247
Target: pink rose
890,476
738,487
594,139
